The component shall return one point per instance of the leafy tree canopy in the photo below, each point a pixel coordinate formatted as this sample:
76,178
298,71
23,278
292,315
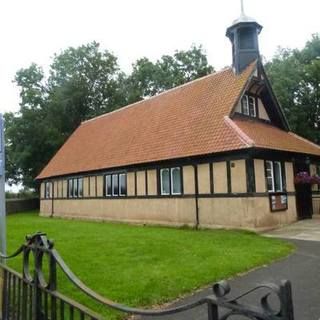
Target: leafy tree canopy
295,77
82,83
148,78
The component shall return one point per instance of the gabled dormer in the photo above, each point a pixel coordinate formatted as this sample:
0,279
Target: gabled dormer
258,101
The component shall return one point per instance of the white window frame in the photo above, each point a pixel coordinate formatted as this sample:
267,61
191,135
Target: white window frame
278,163
80,182
47,190
250,98
273,178
112,184
75,191
106,185
272,175
125,183
161,182
246,100
171,179
70,190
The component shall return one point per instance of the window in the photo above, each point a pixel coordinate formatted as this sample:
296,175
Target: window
47,190
252,106
122,184
245,105
75,188
108,186
80,187
165,181
175,181
274,176
115,185
170,181
70,188
277,177
248,106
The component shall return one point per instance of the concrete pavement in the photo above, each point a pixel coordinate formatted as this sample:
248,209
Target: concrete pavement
301,230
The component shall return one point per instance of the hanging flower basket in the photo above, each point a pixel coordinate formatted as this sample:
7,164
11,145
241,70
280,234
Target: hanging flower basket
305,178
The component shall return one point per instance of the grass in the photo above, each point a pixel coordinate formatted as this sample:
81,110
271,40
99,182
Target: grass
144,266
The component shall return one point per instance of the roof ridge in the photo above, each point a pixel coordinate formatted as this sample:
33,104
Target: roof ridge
304,139
241,135
158,95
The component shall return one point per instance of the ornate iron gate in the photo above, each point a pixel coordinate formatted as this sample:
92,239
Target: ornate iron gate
33,296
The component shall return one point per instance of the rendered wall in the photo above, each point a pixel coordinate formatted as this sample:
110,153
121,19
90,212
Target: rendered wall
220,177
204,178
316,204
238,176
173,211
131,189
252,213
259,175
152,182
188,180
141,183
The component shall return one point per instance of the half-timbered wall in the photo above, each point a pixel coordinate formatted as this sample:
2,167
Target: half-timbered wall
213,194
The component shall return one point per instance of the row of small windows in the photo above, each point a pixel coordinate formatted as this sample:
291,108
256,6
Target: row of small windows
115,185
75,188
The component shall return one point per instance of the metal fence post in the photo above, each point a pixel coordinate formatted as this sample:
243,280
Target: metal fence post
212,311
286,297
2,210
2,191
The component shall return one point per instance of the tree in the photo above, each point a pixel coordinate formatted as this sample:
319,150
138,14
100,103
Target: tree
295,76
148,78
83,82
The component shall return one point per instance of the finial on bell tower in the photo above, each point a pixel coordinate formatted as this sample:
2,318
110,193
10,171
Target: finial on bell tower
243,34
242,8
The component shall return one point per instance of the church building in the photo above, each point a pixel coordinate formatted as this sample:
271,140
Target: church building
215,152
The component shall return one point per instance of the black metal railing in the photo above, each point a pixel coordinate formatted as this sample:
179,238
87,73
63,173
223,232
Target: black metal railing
34,296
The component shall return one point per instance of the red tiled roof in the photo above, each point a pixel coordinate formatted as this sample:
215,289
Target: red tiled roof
264,135
184,121
189,120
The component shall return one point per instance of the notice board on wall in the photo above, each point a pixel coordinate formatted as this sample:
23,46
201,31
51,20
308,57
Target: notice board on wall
278,201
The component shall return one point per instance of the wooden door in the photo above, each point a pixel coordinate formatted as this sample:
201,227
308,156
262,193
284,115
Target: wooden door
303,193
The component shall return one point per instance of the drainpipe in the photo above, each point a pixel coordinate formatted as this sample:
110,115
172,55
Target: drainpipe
52,201
196,195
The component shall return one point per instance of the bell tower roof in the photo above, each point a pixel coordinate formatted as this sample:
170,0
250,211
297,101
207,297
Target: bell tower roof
243,34
243,19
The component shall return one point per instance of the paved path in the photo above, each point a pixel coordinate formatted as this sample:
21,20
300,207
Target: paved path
302,230
302,268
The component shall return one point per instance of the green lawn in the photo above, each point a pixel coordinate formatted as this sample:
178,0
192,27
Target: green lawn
144,266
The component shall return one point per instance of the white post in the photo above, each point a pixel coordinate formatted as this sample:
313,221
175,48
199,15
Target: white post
3,245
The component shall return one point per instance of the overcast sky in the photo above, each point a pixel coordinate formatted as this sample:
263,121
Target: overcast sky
33,30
